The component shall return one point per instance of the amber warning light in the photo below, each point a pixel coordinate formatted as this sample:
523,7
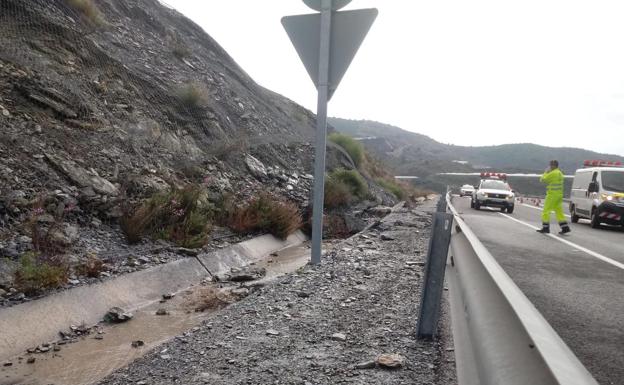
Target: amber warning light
493,175
601,163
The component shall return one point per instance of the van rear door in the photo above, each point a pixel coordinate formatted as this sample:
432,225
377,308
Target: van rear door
580,192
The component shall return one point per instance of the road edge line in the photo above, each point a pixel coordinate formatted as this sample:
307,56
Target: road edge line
539,208
572,244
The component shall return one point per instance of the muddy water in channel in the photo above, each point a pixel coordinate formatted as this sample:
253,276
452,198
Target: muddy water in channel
89,360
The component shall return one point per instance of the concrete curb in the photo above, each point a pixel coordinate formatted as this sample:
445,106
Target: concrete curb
244,253
32,323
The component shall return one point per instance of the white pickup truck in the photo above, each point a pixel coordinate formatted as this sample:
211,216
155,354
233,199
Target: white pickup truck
494,191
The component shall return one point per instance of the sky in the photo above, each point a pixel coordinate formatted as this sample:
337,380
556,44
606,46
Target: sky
473,73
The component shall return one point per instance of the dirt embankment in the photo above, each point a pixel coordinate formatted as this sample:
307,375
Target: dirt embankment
337,323
104,104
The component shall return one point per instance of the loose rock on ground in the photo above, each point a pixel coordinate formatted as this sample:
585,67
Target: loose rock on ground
363,290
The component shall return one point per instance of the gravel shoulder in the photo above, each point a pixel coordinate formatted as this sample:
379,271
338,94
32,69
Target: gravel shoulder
320,324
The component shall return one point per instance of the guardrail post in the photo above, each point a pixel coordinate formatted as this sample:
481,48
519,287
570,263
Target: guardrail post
434,273
441,208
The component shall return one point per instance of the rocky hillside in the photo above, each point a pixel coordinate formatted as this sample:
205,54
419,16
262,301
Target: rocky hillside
91,100
410,153
104,104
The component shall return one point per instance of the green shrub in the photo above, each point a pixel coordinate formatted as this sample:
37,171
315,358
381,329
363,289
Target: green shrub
35,274
353,180
192,95
266,213
180,50
393,187
337,193
402,190
88,9
351,146
342,187
180,216
374,167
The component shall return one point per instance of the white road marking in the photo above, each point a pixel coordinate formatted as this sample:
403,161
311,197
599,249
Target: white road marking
537,208
574,245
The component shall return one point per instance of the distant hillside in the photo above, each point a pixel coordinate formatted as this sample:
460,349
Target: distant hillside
409,153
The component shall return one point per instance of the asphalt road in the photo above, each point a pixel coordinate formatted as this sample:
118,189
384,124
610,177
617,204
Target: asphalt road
578,284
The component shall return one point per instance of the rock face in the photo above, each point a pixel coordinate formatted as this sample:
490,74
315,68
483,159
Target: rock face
81,177
98,114
7,269
100,111
255,166
104,107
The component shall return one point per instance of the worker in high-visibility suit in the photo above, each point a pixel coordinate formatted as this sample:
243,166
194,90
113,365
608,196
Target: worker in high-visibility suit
553,178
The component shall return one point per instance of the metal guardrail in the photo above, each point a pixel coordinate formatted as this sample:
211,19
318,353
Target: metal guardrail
434,272
500,337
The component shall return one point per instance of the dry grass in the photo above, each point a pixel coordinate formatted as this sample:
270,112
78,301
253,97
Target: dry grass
190,168
353,180
44,241
337,194
377,170
36,274
180,50
266,213
334,226
229,149
46,267
374,168
91,267
43,235
342,187
401,190
351,146
398,189
88,9
180,216
192,96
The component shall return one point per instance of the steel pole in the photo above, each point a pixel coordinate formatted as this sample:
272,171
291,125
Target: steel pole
321,132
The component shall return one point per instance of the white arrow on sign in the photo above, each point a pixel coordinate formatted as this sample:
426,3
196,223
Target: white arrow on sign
348,30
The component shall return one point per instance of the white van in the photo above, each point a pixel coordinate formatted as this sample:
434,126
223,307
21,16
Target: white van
598,193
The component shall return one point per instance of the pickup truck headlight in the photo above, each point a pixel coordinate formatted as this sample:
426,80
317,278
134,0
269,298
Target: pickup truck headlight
606,197
510,197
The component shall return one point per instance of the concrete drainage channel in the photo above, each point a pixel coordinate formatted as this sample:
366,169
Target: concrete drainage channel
109,347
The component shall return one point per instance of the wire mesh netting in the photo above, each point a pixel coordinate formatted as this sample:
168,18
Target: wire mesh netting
137,73
118,88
